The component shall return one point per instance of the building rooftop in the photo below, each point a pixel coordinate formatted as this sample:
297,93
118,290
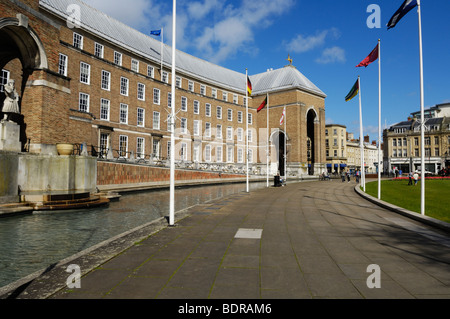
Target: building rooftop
118,33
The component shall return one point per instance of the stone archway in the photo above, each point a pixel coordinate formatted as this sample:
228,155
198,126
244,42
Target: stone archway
280,141
311,119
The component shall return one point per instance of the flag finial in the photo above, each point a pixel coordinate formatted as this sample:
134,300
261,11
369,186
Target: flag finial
289,59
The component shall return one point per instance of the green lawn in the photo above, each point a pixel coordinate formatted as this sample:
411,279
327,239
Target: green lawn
397,192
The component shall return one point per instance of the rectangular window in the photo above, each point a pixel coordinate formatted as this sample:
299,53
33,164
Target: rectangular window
156,121
219,112
123,116
183,126
150,71
124,86
214,93
123,146
207,129
83,104
239,116
117,58
219,131
436,140
156,96
169,100
240,155
135,65
104,109
104,142
178,82
208,110
219,156
202,89
98,50
156,148
230,156
78,41
225,96
208,153
240,134
235,99
62,64
196,155
196,128
184,104
106,80
165,77
85,73
196,107
191,86
141,92
230,115
427,140
183,151
250,136
229,133
427,152
140,117
140,147
4,78
250,118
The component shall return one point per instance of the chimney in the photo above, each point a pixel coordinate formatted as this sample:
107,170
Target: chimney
366,139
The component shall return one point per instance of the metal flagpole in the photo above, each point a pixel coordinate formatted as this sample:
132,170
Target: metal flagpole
172,120
268,141
379,119
361,139
162,49
422,117
285,146
246,121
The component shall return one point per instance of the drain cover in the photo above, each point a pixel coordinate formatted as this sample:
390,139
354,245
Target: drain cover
249,233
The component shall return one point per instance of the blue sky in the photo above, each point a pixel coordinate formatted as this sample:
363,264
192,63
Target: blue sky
326,40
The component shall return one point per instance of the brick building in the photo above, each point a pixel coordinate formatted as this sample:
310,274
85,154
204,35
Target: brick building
84,77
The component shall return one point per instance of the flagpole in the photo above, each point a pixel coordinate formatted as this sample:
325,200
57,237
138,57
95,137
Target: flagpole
379,119
268,141
361,139
162,49
422,117
172,120
285,146
246,121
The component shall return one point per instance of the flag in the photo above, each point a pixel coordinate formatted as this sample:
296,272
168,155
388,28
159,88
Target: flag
156,32
373,56
407,6
353,92
282,116
249,86
263,104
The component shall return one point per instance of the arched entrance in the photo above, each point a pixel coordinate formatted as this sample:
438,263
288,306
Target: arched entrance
311,117
21,51
279,140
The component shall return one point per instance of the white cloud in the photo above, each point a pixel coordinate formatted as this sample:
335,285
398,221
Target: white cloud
302,43
332,55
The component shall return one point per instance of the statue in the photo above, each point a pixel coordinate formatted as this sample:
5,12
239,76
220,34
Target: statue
11,103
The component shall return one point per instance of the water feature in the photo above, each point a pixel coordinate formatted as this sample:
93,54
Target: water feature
33,242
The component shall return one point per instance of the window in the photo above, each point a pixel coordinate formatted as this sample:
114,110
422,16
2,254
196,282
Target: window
230,156
219,131
240,134
207,129
327,144
140,117
135,65
399,142
239,116
196,156
326,132
62,64
150,71
124,86
104,142
196,107
202,89
191,86
250,118
165,77
117,58
230,115
436,140
184,104
183,126
183,151
335,142
235,99
196,128
334,131
208,110
140,147
123,146
427,140
229,133
169,100
123,115
225,96
78,41
156,96
104,109
106,80
394,142
141,92
214,93
240,155
178,82
156,121
250,136
219,156
4,78
83,104
208,153
335,153
250,156
98,50
85,73
416,152
427,152
416,141
156,148
219,112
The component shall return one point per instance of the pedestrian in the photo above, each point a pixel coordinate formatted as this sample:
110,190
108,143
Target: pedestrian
416,178
357,176
343,176
348,176
410,175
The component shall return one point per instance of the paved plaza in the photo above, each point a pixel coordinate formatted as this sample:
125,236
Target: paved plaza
306,240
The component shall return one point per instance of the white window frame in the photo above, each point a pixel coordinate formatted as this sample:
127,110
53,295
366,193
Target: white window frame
118,58
165,77
123,139
62,64
156,96
169,100
207,129
196,107
178,82
184,103
135,65
219,131
140,117
140,147
219,112
85,73
203,89
141,91
208,110
208,153
78,41
83,97
105,107
230,154
229,133
240,134
150,71
183,125
156,120
230,115
106,80
99,50
124,86
214,93
239,116
196,128
219,154
123,113
240,155
191,86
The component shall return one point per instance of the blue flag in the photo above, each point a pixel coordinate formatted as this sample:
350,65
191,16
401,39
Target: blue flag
156,32
407,6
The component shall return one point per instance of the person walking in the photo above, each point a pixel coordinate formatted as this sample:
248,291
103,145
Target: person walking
343,176
416,178
410,176
348,176
357,176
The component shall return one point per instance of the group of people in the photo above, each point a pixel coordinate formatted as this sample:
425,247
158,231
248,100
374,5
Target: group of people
412,176
346,175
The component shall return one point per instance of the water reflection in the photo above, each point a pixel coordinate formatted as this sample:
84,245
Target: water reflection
34,242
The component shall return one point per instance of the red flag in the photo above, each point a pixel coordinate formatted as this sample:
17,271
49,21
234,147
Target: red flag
263,104
370,58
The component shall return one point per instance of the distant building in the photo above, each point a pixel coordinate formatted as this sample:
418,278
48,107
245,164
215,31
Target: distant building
336,147
402,142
